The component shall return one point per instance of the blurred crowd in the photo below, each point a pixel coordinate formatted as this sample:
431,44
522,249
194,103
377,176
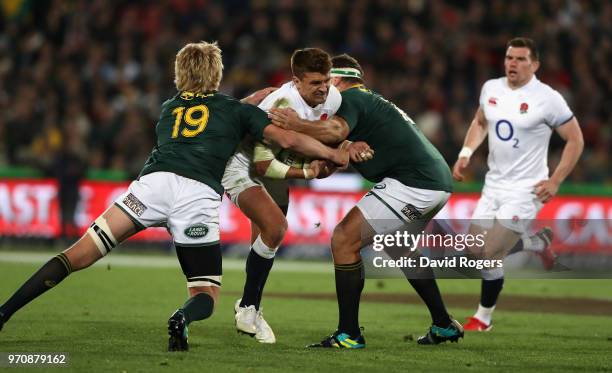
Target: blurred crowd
85,79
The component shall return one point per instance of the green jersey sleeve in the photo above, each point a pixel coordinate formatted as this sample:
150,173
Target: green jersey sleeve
254,120
349,109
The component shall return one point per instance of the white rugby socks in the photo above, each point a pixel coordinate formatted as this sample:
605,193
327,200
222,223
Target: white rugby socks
533,243
484,314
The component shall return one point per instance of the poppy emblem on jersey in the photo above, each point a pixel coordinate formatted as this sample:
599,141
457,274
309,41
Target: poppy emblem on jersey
515,219
323,116
524,108
492,101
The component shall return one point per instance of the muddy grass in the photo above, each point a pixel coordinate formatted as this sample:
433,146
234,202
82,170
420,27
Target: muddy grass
573,306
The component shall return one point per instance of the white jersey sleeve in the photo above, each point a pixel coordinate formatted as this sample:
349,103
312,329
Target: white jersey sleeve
484,94
334,99
557,111
272,100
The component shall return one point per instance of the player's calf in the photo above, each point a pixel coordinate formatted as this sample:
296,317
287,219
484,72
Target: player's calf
202,268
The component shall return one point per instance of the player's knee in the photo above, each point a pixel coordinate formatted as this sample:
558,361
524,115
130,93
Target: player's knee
273,233
213,291
343,241
83,253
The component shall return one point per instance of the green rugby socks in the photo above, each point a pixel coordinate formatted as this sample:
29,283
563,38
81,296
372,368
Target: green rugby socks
198,307
350,279
49,275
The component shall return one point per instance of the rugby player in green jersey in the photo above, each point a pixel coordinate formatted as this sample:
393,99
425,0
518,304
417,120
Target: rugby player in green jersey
413,184
179,187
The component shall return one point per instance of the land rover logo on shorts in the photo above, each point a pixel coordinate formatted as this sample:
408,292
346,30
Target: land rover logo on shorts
380,186
196,231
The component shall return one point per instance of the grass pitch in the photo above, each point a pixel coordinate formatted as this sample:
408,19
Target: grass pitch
113,318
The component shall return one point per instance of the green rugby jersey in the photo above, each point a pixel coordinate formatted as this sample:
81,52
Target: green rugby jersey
402,151
198,133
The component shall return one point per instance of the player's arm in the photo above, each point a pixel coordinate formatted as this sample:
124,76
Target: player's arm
304,145
256,97
267,165
274,169
329,131
574,144
473,138
335,128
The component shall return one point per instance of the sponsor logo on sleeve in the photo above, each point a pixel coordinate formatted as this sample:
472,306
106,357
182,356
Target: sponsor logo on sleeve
134,204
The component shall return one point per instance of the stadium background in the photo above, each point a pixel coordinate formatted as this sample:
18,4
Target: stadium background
81,83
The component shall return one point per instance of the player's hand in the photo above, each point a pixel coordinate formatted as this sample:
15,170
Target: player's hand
360,151
283,118
256,97
458,168
320,169
546,189
341,157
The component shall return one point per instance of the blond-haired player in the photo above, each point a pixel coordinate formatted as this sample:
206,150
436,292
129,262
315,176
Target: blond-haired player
179,187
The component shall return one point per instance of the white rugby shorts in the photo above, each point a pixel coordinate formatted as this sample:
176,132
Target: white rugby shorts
514,210
238,177
187,207
391,205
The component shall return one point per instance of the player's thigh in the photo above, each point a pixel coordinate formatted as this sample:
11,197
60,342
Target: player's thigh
107,231
264,213
194,226
517,211
278,190
194,216
484,213
145,203
512,219
351,234
149,200
391,206
236,179
203,268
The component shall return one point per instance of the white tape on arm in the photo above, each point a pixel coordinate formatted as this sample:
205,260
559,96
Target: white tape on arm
262,153
465,152
277,170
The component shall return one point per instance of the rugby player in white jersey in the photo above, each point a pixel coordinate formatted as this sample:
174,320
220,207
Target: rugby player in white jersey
519,114
264,200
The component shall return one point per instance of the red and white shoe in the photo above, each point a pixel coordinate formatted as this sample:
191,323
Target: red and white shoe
547,256
475,325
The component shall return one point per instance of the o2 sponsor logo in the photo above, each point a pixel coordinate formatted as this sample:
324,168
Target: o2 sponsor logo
505,131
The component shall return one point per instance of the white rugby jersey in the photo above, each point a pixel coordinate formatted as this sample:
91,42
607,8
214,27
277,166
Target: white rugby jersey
289,92
520,124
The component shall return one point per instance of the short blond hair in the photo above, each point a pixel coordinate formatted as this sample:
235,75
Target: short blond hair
198,67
